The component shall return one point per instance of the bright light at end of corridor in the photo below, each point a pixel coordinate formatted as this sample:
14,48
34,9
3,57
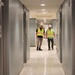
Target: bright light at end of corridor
44,12
42,4
44,20
43,9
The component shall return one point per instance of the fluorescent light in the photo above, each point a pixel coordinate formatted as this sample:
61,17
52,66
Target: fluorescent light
42,4
43,9
44,12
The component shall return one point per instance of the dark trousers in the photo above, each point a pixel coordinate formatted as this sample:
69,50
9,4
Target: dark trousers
50,42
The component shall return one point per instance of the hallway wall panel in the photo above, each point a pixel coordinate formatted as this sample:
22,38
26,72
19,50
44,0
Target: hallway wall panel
73,35
12,41
15,37
33,26
58,35
26,36
54,24
66,38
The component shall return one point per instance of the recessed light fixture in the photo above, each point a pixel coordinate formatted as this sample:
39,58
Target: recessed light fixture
42,4
44,12
43,9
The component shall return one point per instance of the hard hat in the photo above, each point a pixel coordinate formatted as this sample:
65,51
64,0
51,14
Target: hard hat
50,25
41,23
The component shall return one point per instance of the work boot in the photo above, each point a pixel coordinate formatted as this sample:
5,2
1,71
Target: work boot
48,49
52,48
37,48
40,49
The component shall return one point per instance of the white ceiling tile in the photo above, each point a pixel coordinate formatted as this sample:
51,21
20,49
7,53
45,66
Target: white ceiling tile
35,8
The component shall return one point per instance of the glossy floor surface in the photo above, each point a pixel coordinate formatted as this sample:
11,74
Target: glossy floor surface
43,62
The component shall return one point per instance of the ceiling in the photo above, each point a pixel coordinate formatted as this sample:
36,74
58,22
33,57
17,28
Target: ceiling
35,8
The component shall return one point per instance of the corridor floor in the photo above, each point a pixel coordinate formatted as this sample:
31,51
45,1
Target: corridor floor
43,63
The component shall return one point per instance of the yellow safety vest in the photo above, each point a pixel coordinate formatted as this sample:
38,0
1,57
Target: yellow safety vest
50,33
40,32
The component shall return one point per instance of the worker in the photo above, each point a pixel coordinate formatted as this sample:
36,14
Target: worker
50,34
40,33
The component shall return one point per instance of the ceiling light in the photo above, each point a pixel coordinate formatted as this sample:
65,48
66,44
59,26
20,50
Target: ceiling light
42,4
43,9
44,12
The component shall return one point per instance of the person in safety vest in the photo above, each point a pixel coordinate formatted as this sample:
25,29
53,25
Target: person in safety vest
50,34
40,33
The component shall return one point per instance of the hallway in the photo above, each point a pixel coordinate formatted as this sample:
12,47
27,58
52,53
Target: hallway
43,62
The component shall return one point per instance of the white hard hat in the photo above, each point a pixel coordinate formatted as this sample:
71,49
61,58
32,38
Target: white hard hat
41,24
50,25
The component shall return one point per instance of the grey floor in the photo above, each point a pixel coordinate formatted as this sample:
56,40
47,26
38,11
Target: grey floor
43,62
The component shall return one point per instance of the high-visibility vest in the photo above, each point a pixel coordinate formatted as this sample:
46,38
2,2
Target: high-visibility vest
50,33
40,32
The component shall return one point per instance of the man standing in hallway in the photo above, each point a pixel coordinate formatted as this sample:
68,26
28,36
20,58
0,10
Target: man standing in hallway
50,34
40,33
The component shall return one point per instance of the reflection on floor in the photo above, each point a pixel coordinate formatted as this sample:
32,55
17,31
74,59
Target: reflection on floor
43,63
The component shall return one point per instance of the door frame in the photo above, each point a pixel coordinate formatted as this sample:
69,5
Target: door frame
5,30
24,37
1,50
61,36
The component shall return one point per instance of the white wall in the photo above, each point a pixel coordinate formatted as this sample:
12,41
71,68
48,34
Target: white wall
33,26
